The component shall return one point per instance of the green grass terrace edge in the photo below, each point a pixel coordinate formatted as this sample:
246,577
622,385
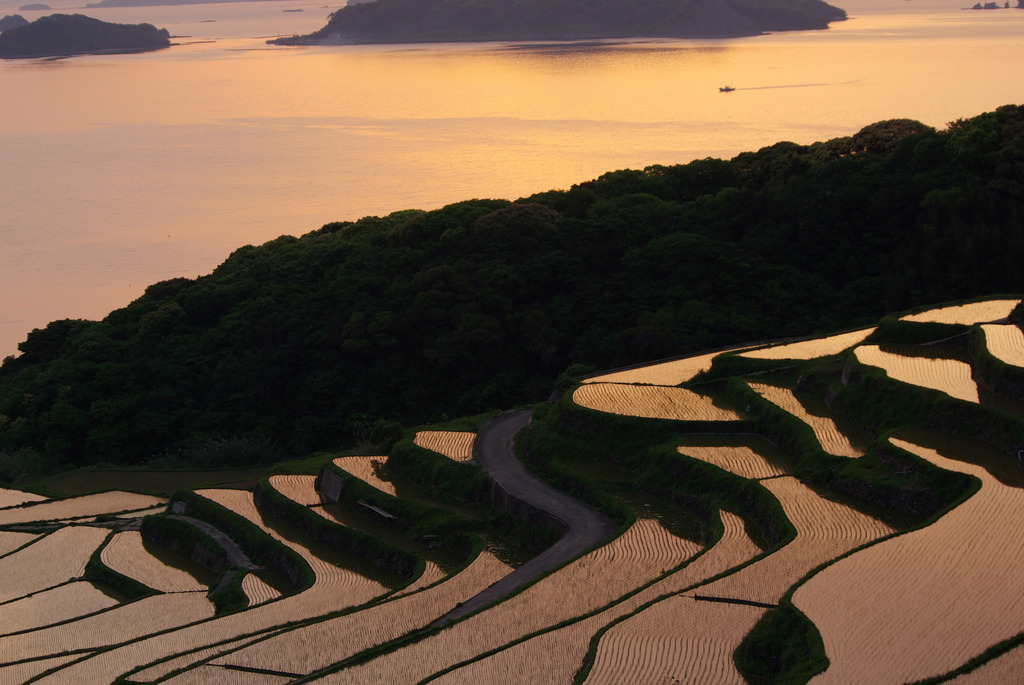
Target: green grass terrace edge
648,449
991,372
313,526
260,547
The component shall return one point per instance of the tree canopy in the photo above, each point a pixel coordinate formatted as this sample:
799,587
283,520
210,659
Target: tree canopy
296,344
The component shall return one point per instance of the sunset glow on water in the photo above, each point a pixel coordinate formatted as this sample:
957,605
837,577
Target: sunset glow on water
121,171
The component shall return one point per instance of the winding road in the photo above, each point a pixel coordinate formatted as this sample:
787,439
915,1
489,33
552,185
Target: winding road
586,527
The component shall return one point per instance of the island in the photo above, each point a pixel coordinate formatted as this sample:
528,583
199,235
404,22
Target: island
34,6
59,35
438,21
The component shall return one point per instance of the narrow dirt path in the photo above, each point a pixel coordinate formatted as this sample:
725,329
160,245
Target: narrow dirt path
236,557
586,527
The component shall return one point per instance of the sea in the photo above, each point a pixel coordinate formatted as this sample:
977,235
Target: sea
118,171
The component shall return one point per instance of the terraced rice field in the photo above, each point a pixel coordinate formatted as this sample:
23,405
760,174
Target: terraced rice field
811,349
737,459
1003,669
640,555
302,650
330,577
924,602
215,675
966,314
676,640
126,554
12,498
186,661
1005,343
825,530
61,603
302,489
297,488
950,376
54,559
11,540
21,673
831,438
693,641
456,445
555,656
651,402
79,507
432,573
365,469
257,591
125,622
335,589
666,373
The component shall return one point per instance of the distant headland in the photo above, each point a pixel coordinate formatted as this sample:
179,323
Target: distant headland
438,21
75,34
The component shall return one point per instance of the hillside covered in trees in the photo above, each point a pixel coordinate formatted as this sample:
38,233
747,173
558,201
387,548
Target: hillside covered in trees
313,342
426,21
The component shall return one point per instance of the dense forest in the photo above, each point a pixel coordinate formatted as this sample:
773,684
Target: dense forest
315,342
71,34
423,21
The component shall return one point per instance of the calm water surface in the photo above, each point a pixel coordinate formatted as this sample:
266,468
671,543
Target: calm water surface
119,171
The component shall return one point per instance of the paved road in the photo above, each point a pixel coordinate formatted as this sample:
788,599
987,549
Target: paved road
586,527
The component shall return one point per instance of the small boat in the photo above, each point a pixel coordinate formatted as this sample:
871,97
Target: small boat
726,89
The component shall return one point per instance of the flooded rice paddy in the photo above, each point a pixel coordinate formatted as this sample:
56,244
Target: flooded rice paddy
432,573
257,591
825,530
950,376
831,438
21,673
676,640
673,372
126,622
1003,669
367,469
638,556
966,314
456,445
126,554
79,507
56,605
811,349
922,603
12,498
342,583
53,559
555,656
303,650
1005,342
738,459
651,402
297,488
11,540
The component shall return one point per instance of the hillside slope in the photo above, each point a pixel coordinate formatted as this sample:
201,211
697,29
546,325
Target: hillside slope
306,343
